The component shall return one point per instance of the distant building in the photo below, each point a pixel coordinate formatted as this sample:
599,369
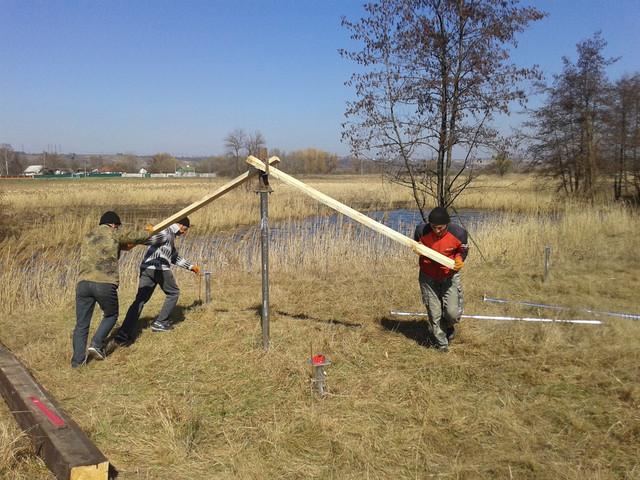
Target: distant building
111,169
186,171
34,170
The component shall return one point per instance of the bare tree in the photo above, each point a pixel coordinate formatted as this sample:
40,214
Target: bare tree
622,118
570,126
219,164
239,145
163,163
129,163
6,156
434,74
255,141
96,162
235,143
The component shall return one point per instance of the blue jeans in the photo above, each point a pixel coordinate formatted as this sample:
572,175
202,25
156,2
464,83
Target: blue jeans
444,301
87,295
149,278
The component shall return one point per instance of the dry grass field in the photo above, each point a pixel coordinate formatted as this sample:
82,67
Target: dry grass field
512,400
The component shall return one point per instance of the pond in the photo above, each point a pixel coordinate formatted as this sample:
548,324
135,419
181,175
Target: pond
403,221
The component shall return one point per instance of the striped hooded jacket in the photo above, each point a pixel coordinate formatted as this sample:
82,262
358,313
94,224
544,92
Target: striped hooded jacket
162,252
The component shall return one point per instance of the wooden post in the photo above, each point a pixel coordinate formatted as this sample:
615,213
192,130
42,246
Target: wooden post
236,182
354,214
63,446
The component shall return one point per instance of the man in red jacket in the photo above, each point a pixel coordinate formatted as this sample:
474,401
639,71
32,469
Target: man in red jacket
440,286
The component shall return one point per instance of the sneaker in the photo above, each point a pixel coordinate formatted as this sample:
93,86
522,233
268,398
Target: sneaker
443,349
121,338
451,333
158,327
77,365
96,353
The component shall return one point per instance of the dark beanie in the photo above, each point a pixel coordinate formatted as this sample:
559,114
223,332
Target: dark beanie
185,221
439,216
109,217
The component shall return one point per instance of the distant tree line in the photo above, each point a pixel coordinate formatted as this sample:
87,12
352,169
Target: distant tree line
238,145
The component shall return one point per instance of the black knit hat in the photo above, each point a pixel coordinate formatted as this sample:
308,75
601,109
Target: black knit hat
184,221
109,217
439,216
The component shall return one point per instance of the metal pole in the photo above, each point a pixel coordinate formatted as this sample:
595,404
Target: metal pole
557,307
264,191
318,363
207,278
547,252
264,226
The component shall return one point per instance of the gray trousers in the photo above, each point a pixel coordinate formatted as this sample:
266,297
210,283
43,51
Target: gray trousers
149,278
444,301
87,295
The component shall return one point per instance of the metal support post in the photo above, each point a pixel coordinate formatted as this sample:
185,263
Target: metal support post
264,191
207,282
547,253
318,363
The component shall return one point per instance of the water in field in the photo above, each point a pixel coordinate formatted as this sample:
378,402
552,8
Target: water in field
317,232
403,221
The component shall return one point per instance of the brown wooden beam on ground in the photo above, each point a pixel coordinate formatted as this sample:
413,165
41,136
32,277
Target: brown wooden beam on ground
59,441
185,212
354,214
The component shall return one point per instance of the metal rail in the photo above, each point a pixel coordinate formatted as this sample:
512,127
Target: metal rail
557,307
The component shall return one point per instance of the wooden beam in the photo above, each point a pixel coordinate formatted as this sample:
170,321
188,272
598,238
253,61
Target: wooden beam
354,214
236,182
59,441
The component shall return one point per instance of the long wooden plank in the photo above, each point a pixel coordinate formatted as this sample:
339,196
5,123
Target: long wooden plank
354,214
236,182
63,446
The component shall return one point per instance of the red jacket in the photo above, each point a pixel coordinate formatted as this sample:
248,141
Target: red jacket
452,244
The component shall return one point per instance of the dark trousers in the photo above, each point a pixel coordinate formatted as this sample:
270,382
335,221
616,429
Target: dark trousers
149,279
87,295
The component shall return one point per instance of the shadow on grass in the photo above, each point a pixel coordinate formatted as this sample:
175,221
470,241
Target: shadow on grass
415,330
302,316
178,315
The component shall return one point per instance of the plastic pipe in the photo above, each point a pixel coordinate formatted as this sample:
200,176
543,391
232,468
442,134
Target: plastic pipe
492,317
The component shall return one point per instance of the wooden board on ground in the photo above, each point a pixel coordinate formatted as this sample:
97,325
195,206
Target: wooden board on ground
63,446
185,212
354,214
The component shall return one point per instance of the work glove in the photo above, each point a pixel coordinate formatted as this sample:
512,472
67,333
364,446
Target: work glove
149,227
414,247
195,269
458,264
127,247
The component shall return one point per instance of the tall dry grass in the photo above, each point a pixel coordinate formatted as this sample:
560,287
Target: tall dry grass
512,400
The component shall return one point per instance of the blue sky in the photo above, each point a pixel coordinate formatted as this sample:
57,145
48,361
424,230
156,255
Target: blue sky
101,77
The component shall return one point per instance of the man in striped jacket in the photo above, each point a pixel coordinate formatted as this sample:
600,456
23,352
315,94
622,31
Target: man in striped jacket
155,269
